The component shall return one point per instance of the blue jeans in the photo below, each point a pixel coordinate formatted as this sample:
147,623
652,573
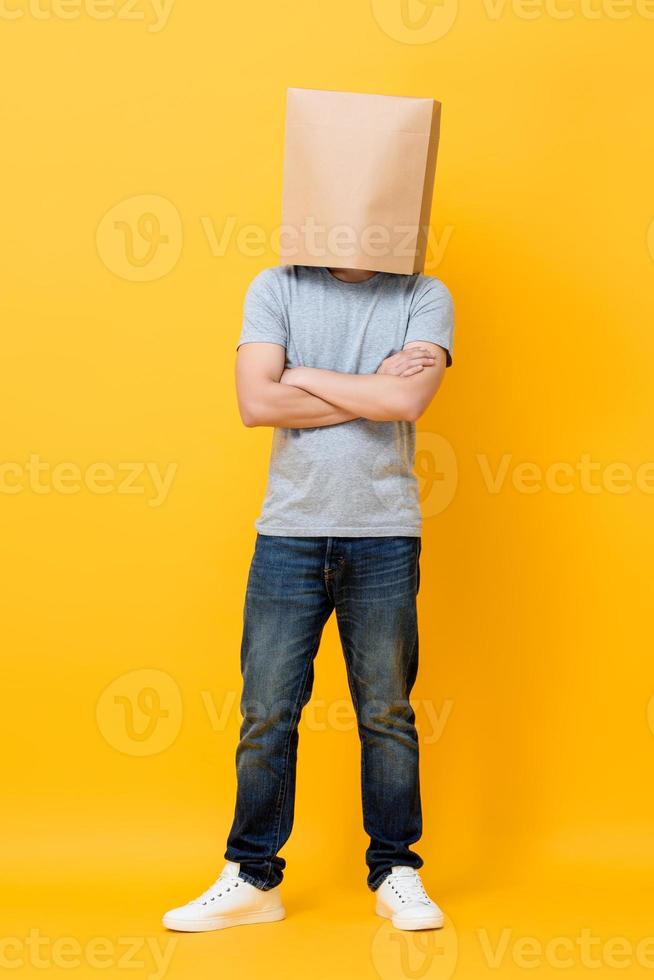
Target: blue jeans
293,586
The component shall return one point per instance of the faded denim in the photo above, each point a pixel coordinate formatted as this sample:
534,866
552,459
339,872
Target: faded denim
294,585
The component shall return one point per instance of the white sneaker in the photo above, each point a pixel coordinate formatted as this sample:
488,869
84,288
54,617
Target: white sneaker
402,898
230,901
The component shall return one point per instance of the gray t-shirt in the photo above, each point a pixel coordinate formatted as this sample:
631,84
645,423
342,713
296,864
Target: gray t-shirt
354,479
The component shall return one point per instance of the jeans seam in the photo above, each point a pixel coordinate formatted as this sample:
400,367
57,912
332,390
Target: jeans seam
355,701
287,752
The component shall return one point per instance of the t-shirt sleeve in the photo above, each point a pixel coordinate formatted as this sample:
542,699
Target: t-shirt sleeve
431,316
264,320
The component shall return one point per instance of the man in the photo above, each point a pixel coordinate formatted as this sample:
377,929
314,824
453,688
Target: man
342,363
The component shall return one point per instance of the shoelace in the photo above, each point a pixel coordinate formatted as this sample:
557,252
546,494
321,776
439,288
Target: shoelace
216,890
409,888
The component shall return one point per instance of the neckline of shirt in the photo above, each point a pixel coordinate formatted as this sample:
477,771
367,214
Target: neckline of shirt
348,285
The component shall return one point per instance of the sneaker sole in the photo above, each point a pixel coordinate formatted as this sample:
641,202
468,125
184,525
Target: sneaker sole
411,925
223,921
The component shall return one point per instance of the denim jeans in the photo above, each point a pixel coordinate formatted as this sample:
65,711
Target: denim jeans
294,585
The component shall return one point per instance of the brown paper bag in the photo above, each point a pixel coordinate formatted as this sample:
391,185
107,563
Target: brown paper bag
358,180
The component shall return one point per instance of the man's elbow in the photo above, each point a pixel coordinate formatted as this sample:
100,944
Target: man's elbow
256,404
412,413
401,409
251,415
411,408
414,401
249,421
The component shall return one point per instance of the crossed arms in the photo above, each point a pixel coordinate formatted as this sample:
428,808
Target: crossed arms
303,397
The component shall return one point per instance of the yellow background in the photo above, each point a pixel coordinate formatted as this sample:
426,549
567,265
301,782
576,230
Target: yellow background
535,604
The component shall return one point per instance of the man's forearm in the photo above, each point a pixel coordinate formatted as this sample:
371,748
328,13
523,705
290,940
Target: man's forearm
378,397
292,407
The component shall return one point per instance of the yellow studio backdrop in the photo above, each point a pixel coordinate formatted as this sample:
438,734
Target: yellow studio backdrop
142,171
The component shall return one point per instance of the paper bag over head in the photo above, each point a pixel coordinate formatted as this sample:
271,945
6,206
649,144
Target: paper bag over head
358,180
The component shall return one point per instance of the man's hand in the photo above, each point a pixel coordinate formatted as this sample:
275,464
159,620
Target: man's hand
406,362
